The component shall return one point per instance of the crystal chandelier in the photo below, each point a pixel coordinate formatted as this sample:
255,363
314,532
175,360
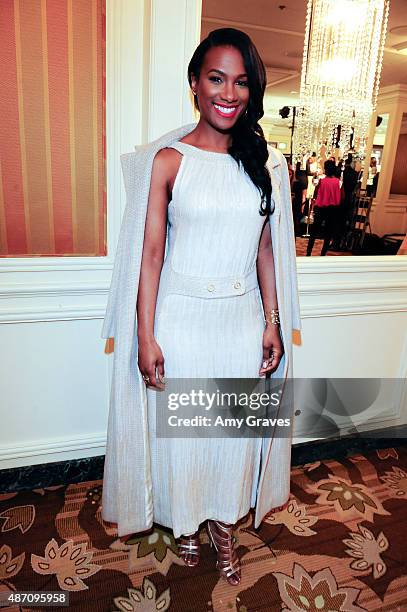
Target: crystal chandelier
342,62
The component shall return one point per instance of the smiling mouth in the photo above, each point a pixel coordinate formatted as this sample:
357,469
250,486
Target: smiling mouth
226,111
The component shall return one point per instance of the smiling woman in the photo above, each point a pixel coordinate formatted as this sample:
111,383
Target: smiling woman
228,80
227,92
200,295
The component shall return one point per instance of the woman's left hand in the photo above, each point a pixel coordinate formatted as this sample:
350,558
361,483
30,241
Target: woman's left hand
272,349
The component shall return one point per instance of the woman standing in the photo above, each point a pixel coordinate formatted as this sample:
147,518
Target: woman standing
196,240
326,208
312,169
299,189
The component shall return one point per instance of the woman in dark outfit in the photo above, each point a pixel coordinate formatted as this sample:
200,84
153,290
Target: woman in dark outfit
298,188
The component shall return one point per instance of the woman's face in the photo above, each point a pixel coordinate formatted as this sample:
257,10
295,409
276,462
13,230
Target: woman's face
222,89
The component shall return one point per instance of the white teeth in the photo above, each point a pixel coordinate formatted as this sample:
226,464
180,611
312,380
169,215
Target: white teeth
226,111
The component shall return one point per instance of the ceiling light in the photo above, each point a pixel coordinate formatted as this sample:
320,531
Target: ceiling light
341,68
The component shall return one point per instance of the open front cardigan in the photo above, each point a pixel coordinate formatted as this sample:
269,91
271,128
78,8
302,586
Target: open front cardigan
127,488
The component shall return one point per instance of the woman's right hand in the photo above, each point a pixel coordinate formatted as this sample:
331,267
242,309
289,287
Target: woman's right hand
151,362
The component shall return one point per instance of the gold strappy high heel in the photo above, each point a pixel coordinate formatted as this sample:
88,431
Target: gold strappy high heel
228,562
189,549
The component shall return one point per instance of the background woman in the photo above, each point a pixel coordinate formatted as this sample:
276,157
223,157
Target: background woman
299,189
326,208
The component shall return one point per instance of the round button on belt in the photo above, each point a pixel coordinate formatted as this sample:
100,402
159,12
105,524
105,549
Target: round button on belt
211,288
237,285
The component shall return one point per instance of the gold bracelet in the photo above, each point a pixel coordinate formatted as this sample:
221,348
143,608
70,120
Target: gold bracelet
272,316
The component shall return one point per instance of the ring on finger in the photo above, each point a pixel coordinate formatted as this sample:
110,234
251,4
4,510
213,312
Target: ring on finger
146,378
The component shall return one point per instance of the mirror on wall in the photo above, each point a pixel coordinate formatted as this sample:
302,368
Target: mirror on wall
278,33
53,132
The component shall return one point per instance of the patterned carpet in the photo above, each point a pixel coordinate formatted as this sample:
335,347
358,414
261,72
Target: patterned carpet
339,545
301,248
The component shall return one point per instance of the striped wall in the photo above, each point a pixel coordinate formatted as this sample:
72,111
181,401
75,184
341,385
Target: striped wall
52,126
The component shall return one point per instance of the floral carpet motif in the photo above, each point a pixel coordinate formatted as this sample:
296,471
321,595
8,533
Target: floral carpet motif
302,243
338,545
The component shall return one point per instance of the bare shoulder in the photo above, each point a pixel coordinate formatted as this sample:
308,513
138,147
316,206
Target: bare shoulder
167,158
166,164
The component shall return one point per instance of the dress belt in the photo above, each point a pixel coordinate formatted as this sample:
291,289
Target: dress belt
217,287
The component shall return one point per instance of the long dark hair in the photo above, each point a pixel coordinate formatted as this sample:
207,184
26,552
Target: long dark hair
248,143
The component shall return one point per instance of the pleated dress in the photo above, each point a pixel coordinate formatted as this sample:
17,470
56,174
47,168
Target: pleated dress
214,228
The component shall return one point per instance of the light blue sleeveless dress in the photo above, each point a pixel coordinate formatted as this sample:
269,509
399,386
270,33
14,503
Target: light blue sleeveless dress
214,228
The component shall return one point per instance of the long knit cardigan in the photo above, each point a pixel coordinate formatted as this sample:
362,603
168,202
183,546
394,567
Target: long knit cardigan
127,488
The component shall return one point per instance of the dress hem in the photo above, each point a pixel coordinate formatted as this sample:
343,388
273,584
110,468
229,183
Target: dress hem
222,518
